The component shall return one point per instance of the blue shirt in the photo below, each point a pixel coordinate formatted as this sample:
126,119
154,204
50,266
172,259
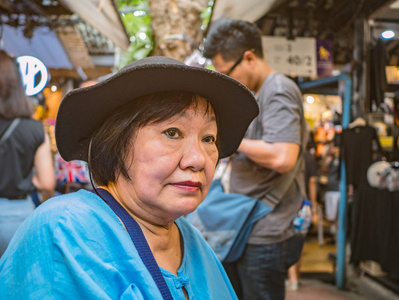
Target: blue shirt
75,247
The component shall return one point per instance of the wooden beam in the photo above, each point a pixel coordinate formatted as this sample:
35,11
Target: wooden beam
92,73
75,47
102,15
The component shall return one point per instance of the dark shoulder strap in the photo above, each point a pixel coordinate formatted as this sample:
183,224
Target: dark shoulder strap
274,197
9,130
139,241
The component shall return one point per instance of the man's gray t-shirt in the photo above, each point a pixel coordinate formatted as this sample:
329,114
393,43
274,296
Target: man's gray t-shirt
280,120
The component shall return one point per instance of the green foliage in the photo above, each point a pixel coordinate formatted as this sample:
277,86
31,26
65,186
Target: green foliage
137,21
207,14
136,18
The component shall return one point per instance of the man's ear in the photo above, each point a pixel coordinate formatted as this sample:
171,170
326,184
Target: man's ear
249,57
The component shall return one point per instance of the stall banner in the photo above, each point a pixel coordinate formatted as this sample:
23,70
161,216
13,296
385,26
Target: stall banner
295,57
324,58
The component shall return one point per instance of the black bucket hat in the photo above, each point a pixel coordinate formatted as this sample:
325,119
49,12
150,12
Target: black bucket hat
82,111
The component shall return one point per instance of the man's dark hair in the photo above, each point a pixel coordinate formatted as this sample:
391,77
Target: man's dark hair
111,145
231,38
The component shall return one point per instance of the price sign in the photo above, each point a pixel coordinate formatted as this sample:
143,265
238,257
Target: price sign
291,57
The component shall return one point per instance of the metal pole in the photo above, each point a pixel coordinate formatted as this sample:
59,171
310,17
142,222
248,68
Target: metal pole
343,205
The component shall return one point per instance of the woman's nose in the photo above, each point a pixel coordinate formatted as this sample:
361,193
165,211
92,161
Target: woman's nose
194,156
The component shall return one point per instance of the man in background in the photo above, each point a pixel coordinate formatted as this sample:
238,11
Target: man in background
271,151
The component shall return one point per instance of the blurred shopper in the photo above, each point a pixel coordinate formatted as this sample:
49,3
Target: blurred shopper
154,136
25,156
273,146
332,194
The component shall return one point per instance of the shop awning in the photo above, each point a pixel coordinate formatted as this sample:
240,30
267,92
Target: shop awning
102,15
44,45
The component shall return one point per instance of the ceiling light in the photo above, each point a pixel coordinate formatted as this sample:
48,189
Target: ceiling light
309,99
388,34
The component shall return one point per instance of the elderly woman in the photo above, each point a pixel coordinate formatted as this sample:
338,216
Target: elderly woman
152,135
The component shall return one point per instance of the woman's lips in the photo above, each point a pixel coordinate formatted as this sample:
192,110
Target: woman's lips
191,186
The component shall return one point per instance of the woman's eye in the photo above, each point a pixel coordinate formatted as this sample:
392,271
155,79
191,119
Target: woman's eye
172,133
210,139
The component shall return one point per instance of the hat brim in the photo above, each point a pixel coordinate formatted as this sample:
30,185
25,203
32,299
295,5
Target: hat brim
84,110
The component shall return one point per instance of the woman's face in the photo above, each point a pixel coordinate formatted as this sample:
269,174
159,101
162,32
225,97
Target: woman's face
171,165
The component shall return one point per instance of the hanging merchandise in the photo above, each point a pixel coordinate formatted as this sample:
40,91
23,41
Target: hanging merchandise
303,218
384,175
375,171
378,82
396,126
71,171
396,109
358,151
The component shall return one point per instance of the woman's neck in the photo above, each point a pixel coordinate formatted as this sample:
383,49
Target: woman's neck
163,240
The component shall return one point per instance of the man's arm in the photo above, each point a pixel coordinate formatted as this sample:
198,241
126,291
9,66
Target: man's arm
280,157
312,187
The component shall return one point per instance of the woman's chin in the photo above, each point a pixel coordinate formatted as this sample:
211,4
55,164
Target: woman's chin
187,208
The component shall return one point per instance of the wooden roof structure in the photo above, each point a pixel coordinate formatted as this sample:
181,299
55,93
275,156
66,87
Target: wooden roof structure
85,28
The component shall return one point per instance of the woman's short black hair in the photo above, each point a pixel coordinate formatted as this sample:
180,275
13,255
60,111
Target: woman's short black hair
110,144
